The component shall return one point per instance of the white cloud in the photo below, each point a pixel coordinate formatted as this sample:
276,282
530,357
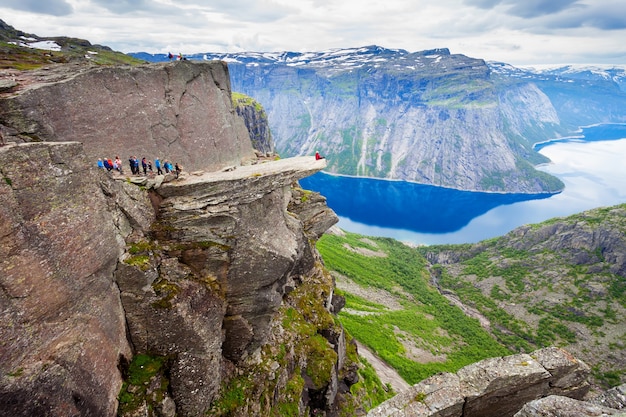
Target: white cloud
530,32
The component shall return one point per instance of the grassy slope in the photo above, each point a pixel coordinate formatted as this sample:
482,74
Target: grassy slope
22,58
533,291
427,321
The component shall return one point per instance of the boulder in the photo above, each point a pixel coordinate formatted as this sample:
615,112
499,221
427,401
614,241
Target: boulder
492,387
558,406
439,395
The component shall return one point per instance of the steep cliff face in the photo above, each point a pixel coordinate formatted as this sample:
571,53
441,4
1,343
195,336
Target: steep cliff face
205,284
63,326
178,111
217,281
428,117
255,118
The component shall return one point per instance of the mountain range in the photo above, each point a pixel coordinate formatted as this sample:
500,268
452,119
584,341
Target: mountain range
429,117
205,294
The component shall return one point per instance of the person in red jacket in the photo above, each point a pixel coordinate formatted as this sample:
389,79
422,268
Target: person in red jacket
318,156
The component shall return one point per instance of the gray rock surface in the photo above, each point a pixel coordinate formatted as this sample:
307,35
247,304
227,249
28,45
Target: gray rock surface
62,327
613,398
557,406
492,387
178,111
255,118
252,245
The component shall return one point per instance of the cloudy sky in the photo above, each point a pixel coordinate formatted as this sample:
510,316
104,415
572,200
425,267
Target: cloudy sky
514,31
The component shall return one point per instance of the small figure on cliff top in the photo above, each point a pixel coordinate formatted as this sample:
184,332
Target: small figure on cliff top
170,56
100,163
318,156
177,169
144,165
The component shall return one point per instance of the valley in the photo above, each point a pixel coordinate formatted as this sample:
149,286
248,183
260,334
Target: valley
557,283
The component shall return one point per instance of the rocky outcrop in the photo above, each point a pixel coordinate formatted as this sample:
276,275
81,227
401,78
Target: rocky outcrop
255,118
492,387
206,268
177,111
157,294
62,327
568,274
557,406
206,287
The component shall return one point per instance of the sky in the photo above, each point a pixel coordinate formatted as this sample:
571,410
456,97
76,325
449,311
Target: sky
518,32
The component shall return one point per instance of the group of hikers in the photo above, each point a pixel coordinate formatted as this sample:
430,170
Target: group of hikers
134,163
180,57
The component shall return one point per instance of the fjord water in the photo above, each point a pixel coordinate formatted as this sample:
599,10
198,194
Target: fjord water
592,166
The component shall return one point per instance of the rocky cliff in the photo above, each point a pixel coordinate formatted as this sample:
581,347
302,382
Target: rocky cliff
178,111
193,273
431,117
256,121
63,326
559,282
157,295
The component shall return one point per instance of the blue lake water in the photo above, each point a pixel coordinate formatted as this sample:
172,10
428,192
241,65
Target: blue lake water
590,164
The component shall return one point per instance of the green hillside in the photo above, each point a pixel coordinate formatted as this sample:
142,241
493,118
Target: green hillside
431,309
18,50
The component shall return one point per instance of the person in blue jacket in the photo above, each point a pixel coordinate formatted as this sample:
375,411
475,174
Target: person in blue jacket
157,165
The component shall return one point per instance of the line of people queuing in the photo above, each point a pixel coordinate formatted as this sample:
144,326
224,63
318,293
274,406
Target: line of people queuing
146,165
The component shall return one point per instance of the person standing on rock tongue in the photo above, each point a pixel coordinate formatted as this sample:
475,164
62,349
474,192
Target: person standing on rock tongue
144,165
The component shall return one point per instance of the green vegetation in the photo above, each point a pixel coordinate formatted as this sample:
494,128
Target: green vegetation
534,288
240,99
18,372
166,290
426,321
321,359
233,396
550,284
368,392
72,50
137,379
140,261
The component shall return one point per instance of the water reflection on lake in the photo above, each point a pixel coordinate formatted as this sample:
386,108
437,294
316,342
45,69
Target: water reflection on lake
594,174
